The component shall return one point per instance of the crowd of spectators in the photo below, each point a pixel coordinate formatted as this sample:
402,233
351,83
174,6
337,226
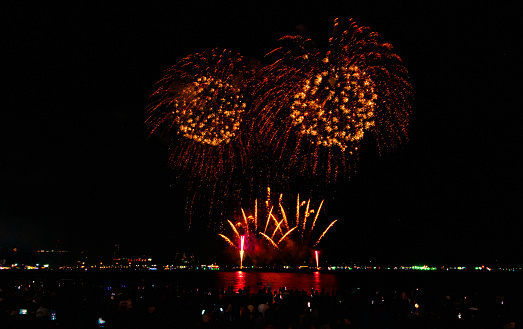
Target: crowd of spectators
77,303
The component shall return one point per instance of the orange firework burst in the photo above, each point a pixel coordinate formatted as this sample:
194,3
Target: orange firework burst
198,106
314,108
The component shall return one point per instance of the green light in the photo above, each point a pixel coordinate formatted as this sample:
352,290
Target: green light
423,268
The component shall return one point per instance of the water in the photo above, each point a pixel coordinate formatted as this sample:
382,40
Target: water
276,280
457,281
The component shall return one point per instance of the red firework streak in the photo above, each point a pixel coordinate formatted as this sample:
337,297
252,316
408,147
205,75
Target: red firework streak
242,240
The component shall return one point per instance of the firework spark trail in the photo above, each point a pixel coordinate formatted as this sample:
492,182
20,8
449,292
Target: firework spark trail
278,224
298,211
270,240
283,214
316,217
286,234
228,240
276,229
268,219
324,232
305,218
256,215
246,221
234,228
268,199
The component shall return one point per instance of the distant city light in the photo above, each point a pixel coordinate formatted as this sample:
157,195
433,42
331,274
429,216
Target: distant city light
424,268
63,260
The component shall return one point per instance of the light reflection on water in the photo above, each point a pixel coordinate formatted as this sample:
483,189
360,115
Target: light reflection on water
276,280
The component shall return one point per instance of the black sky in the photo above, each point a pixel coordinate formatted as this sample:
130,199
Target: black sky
75,165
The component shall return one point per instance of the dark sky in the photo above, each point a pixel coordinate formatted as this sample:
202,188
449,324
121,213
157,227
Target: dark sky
75,165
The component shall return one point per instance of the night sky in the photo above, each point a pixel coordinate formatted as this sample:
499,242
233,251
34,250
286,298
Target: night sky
76,166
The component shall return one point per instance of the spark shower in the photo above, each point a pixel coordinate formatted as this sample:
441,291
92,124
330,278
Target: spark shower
271,235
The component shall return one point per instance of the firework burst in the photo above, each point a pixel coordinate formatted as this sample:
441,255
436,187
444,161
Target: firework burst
198,108
277,236
297,123
315,108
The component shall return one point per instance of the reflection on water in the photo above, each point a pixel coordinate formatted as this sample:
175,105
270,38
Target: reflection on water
240,278
275,280
317,279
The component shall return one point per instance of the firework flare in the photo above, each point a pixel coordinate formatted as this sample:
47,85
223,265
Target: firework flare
280,237
315,108
242,243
